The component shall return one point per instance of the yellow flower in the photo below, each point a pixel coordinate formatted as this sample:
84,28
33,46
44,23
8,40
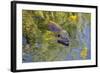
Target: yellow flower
84,53
73,18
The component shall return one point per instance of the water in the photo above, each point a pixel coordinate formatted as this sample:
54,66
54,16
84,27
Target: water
27,57
76,51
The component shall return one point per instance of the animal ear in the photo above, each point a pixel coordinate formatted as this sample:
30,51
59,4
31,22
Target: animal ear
54,26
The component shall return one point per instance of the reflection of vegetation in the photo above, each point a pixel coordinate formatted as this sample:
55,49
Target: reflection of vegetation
84,53
42,42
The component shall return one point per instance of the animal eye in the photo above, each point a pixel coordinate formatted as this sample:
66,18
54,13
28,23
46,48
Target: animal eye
58,35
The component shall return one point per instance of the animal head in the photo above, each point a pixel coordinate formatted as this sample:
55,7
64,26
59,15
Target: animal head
61,35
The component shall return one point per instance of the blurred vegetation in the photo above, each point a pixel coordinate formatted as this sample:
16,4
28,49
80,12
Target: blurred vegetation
41,42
